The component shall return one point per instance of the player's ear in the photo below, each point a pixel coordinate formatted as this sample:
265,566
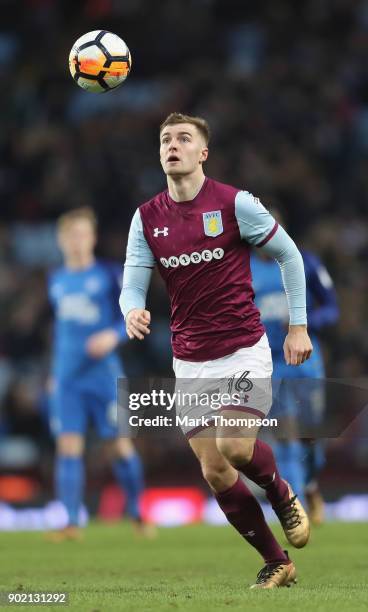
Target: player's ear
204,155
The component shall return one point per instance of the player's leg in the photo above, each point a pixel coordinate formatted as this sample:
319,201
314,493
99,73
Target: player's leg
243,511
255,459
315,460
68,424
126,462
128,471
240,445
69,474
248,374
287,447
313,407
289,455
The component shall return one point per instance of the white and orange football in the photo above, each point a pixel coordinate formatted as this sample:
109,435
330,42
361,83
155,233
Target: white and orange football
99,61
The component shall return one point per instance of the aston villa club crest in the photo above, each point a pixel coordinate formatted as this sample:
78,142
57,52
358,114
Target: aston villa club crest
212,222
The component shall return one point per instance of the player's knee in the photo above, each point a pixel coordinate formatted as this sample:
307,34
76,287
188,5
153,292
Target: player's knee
215,474
124,447
237,451
70,445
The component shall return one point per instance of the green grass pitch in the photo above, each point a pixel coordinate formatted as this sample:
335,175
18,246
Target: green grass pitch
195,568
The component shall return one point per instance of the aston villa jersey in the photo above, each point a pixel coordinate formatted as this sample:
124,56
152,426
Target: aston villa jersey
201,248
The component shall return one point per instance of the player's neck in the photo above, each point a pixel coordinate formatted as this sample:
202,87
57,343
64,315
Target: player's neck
79,262
185,188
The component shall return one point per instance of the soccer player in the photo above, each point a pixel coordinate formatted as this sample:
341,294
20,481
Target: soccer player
199,233
300,390
84,295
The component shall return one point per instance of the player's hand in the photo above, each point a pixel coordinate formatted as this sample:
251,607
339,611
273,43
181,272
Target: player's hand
137,322
101,343
297,346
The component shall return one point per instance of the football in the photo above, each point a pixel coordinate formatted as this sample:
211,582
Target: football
99,61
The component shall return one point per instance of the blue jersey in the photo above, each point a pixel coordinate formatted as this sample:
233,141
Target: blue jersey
322,309
85,302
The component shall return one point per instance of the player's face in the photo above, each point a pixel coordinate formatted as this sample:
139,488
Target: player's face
77,238
182,149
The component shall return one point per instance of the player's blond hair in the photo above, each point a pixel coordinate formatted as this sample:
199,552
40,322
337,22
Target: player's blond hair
200,123
84,212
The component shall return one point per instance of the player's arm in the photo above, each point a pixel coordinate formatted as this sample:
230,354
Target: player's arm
137,275
52,303
106,340
258,227
325,310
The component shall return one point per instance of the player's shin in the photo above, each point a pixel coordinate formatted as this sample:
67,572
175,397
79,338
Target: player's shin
314,460
289,457
129,474
262,470
69,485
245,514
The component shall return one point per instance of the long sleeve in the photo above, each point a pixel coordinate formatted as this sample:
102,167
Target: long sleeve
116,273
137,269
289,258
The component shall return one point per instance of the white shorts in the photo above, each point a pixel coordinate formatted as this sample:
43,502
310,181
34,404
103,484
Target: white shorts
240,381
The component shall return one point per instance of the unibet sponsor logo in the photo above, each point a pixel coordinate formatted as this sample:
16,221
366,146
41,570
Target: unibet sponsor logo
195,258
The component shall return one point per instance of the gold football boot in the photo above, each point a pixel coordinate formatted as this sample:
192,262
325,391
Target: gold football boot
294,520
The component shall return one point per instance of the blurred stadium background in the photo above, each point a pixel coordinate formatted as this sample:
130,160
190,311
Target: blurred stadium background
284,86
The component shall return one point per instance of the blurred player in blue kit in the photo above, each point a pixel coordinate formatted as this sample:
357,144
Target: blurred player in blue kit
299,393
84,294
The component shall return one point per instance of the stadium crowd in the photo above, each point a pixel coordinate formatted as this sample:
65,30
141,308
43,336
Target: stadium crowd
284,86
